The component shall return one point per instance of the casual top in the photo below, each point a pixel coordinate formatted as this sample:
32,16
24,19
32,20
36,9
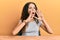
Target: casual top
32,29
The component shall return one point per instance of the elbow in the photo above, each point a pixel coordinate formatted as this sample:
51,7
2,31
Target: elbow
13,33
51,32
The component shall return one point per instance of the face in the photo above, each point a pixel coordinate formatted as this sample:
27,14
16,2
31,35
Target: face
31,8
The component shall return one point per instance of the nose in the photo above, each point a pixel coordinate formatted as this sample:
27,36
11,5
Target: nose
32,9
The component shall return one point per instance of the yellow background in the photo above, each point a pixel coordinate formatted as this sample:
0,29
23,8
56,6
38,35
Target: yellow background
10,13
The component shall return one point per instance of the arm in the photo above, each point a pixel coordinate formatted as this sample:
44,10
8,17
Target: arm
18,28
46,27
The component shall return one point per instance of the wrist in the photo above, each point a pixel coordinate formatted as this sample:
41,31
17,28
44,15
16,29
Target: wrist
43,20
25,21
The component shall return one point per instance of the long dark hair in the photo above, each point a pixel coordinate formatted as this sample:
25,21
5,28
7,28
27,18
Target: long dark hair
25,15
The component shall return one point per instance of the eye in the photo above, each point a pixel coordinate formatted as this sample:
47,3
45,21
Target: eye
30,7
34,8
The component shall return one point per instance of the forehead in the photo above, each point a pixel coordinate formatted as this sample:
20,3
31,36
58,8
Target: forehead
31,5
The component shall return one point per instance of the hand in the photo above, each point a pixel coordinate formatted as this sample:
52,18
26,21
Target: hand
39,14
30,17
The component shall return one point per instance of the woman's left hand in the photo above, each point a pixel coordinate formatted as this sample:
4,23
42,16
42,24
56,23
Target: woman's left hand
39,14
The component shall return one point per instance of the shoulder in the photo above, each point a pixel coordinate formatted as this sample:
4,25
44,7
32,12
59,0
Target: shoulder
40,22
20,21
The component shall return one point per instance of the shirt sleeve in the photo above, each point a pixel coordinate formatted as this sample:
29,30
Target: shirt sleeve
20,21
40,22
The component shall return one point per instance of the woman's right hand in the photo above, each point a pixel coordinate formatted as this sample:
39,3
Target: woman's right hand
30,17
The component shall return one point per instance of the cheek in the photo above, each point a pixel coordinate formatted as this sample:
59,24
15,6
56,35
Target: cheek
29,10
34,10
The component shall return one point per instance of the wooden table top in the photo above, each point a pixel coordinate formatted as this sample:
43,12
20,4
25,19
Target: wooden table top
29,37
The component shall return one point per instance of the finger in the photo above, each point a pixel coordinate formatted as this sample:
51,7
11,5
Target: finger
36,17
33,14
39,13
30,14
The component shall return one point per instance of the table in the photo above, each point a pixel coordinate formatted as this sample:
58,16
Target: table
29,37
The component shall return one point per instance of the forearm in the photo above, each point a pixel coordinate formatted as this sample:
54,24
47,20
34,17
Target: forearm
18,28
49,30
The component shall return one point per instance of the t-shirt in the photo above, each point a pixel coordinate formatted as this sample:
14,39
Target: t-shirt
32,29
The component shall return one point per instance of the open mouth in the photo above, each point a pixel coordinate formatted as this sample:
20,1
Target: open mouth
33,13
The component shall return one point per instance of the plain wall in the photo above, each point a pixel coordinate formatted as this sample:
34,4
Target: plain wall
10,13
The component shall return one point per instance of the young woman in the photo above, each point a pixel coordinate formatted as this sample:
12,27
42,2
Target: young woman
31,21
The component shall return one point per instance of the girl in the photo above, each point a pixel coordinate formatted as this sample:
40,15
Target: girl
31,21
